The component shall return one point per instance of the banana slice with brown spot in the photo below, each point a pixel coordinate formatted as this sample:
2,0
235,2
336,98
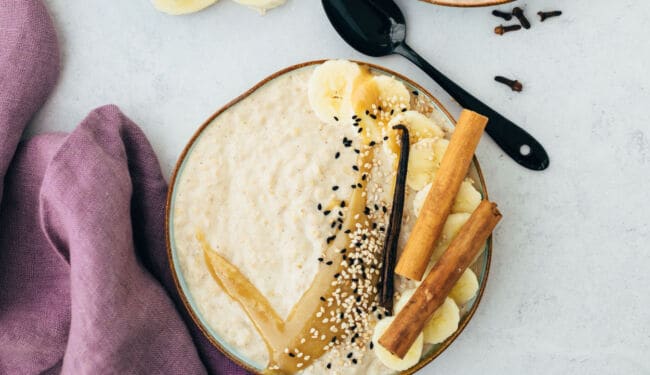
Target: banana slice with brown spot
419,126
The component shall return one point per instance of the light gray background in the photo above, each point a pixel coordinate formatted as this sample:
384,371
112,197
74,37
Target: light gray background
569,289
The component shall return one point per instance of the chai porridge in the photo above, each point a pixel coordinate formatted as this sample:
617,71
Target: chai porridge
280,212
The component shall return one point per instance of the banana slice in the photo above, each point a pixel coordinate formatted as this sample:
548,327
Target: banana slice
419,126
261,5
176,7
330,89
376,100
465,288
449,231
401,302
389,360
468,198
443,323
424,160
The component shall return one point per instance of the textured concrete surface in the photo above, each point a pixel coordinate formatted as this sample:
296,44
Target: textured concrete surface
569,286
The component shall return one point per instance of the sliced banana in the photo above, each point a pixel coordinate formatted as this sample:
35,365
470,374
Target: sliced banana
261,5
389,360
401,302
449,231
424,160
176,7
420,197
465,288
330,89
443,323
419,126
468,198
376,100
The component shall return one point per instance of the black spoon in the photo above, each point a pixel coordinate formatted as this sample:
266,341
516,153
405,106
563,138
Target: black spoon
378,28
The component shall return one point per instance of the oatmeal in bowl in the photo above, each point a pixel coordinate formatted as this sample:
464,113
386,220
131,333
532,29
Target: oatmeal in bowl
279,211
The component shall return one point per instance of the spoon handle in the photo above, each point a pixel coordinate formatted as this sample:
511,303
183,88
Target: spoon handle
515,141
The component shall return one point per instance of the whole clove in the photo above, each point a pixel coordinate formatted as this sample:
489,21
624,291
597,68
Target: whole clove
513,84
519,13
544,15
500,30
506,16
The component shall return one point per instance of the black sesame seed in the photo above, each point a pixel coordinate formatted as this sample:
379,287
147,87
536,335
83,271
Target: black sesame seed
366,211
350,355
320,259
333,224
343,251
364,237
357,244
381,229
392,111
360,130
340,226
355,167
329,263
374,308
367,112
339,220
345,257
333,340
379,316
291,355
354,360
336,118
374,225
359,185
379,108
358,312
403,109
357,150
376,207
354,117
373,117
372,143
353,327
335,187
319,207
330,238
336,275
329,365
342,204
415,93
371,345
322,298
336,156
340,213
383,208
363,178
385,138
326,212
348,231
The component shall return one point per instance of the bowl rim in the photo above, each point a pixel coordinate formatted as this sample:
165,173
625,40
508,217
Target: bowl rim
172,182
484,3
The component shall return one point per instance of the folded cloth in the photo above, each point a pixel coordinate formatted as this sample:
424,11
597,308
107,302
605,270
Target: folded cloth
85,286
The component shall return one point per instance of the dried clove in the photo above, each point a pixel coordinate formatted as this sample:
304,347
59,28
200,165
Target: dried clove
513,84
519,13
504,15
544,15
504,29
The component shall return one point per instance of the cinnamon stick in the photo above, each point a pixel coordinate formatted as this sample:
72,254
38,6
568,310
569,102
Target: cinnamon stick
430,295
440,199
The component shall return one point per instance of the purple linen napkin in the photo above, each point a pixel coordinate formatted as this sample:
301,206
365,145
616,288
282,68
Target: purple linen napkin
85,286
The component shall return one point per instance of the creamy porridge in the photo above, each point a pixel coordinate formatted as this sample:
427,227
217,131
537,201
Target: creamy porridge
280,212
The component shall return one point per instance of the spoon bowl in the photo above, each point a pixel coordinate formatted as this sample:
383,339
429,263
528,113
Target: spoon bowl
378,28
